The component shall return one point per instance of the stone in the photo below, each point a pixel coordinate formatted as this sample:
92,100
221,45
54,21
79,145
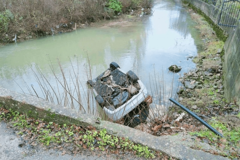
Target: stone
190,57
190,85
219,51
180,91
206,73
199,86
189,95
194,107
21,144
175,68
211,70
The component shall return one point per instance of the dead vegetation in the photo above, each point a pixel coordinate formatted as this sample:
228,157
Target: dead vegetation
28,19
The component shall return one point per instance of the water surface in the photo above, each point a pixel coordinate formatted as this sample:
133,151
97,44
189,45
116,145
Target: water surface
148,48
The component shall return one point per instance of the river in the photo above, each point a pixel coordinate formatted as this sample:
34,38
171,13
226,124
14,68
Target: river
164,38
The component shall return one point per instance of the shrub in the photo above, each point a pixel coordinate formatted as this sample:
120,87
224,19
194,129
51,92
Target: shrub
5,18
115,5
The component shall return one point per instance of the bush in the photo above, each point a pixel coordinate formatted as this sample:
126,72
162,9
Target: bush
5,18
24,17
115,5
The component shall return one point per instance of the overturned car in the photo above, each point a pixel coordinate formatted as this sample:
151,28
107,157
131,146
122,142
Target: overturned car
121,95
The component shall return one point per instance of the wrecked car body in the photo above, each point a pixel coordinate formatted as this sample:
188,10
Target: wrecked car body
120,94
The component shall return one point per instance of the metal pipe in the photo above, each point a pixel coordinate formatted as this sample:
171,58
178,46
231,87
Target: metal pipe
198,118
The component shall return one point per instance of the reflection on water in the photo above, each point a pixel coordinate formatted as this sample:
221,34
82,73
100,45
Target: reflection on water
165,38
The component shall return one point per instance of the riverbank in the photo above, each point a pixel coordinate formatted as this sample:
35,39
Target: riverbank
203,93
19,22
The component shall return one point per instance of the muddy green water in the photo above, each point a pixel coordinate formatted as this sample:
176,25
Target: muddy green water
164,38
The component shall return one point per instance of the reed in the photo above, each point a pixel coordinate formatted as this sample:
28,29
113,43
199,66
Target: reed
69,90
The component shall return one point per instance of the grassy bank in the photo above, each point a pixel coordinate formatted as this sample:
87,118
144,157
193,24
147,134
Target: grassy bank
73,139
203,91
28,19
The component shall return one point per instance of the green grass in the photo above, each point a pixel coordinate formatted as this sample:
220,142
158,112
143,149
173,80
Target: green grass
49,133
115,5
231,137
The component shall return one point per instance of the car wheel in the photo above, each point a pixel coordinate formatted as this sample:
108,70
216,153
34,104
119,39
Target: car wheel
114,66
90,82
132,76
100,100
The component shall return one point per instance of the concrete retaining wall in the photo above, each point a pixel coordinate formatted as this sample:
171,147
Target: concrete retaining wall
231,65
41,109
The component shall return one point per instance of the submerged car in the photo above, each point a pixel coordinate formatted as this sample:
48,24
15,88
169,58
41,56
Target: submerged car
121,95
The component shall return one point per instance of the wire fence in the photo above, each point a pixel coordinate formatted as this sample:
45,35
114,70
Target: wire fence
238,34
230,13
227,12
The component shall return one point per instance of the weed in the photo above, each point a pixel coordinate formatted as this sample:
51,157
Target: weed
232,136
211,93
46,138
216,102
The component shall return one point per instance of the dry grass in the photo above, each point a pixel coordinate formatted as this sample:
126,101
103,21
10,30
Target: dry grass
69,90
39,17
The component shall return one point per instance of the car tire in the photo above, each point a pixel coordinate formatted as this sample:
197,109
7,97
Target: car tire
90,82
100,100
114,66
132,76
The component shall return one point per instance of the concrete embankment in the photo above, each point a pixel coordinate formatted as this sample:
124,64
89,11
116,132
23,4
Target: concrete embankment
179,146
